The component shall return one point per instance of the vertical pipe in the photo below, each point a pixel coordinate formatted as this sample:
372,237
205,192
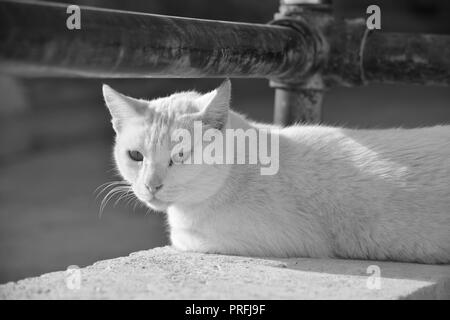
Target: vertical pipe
301,102
296,105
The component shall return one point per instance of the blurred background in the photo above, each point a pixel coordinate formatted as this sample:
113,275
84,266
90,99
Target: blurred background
56,139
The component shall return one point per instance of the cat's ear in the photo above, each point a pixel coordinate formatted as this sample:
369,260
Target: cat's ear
215,106
122,107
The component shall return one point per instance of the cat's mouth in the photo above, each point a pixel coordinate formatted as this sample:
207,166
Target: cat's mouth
153,202
157,204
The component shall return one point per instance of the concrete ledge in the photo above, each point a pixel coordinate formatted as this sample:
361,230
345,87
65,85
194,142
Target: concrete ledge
165,273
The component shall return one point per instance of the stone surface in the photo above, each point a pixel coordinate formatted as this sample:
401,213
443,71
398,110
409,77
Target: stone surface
165,273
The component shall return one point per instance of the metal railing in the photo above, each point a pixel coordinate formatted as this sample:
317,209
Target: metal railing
304,51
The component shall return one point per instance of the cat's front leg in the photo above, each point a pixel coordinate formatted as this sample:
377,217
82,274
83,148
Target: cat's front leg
192,241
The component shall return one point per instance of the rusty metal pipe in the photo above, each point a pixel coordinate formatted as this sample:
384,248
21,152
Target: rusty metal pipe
297,106
406,58
34,41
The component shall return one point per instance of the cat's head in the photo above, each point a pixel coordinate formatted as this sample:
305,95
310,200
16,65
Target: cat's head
144,148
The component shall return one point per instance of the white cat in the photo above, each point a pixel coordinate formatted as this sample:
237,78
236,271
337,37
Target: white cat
362,194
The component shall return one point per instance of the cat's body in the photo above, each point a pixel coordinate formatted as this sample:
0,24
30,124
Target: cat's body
363,194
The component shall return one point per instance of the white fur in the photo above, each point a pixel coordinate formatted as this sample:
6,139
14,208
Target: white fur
363,194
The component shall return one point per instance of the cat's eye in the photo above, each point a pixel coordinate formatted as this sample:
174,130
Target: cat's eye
170,162
135,155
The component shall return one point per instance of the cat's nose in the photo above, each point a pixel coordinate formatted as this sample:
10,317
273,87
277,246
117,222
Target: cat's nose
153,188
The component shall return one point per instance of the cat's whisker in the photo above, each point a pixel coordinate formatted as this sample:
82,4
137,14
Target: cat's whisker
103,187
115,183
110,183
111,193
116,187
137,203
130,200
134,205
125,194
129,195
